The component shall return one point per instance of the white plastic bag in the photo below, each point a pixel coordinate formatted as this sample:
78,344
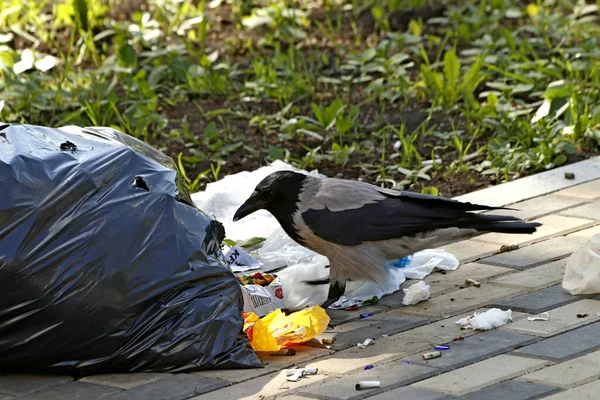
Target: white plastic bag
582,274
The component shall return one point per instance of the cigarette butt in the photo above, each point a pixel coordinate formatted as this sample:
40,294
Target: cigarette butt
473,282
286,352
433,354
368,385
327,341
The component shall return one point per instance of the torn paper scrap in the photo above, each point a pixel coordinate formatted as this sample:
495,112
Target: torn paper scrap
490,319
240,261
365,343
539,317
416,293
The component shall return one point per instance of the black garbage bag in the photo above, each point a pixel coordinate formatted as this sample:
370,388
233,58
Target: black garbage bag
105,264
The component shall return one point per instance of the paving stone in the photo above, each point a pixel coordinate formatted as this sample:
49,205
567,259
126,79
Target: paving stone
588,191
408,393
568,374
461,300
274,384
124,381
536,278
552,225
535,185
539,206
236,375
175,387
354,358
561,319
303,355
390,375
536,254
585,234
74,390
349,334
470,250
450,281
539,301
476,376
511,390
587,391
566,345
476,348
338,317
19,385
587,211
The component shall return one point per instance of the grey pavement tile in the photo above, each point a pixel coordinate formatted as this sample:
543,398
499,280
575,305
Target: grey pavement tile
476,348
338,317
124,381
587,211
536,254
536,185
175,387
511,390
566,345
349,334
73,390
19,385
406,393
539,206
391,375
540,300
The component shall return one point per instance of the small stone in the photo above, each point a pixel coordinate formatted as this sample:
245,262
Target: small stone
569,175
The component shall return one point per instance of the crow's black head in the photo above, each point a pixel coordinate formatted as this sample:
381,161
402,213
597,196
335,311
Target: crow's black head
277,193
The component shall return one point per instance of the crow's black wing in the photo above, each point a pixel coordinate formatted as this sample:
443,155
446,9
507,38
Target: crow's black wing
395,215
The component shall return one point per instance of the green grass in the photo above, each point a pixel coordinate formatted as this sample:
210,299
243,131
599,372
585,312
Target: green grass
446,102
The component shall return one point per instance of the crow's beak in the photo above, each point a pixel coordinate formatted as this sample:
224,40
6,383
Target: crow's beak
254,203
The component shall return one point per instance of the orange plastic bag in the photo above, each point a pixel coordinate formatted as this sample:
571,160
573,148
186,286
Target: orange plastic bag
276,330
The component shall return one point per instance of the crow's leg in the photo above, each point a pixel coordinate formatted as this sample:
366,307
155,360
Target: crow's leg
336,290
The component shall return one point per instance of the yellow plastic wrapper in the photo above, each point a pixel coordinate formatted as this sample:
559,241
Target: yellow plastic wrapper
276,330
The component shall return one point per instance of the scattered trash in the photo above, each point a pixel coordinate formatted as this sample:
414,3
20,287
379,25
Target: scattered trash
441,347
240,261
367,385
294,375
539,317
506,248
473,282
416,293
456,339
276,330
407,362
328,341
490,319
430,355
569,175
365,343
582,274
366,315
368,367
262,293
582,315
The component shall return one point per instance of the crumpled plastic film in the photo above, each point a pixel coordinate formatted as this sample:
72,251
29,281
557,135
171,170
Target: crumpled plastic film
277,330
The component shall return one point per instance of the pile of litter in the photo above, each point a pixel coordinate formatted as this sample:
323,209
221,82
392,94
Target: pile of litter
294,264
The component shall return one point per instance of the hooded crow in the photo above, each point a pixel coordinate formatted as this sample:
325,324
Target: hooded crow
360,227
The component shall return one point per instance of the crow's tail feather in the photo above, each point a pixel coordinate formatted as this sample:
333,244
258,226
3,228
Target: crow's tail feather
503,224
